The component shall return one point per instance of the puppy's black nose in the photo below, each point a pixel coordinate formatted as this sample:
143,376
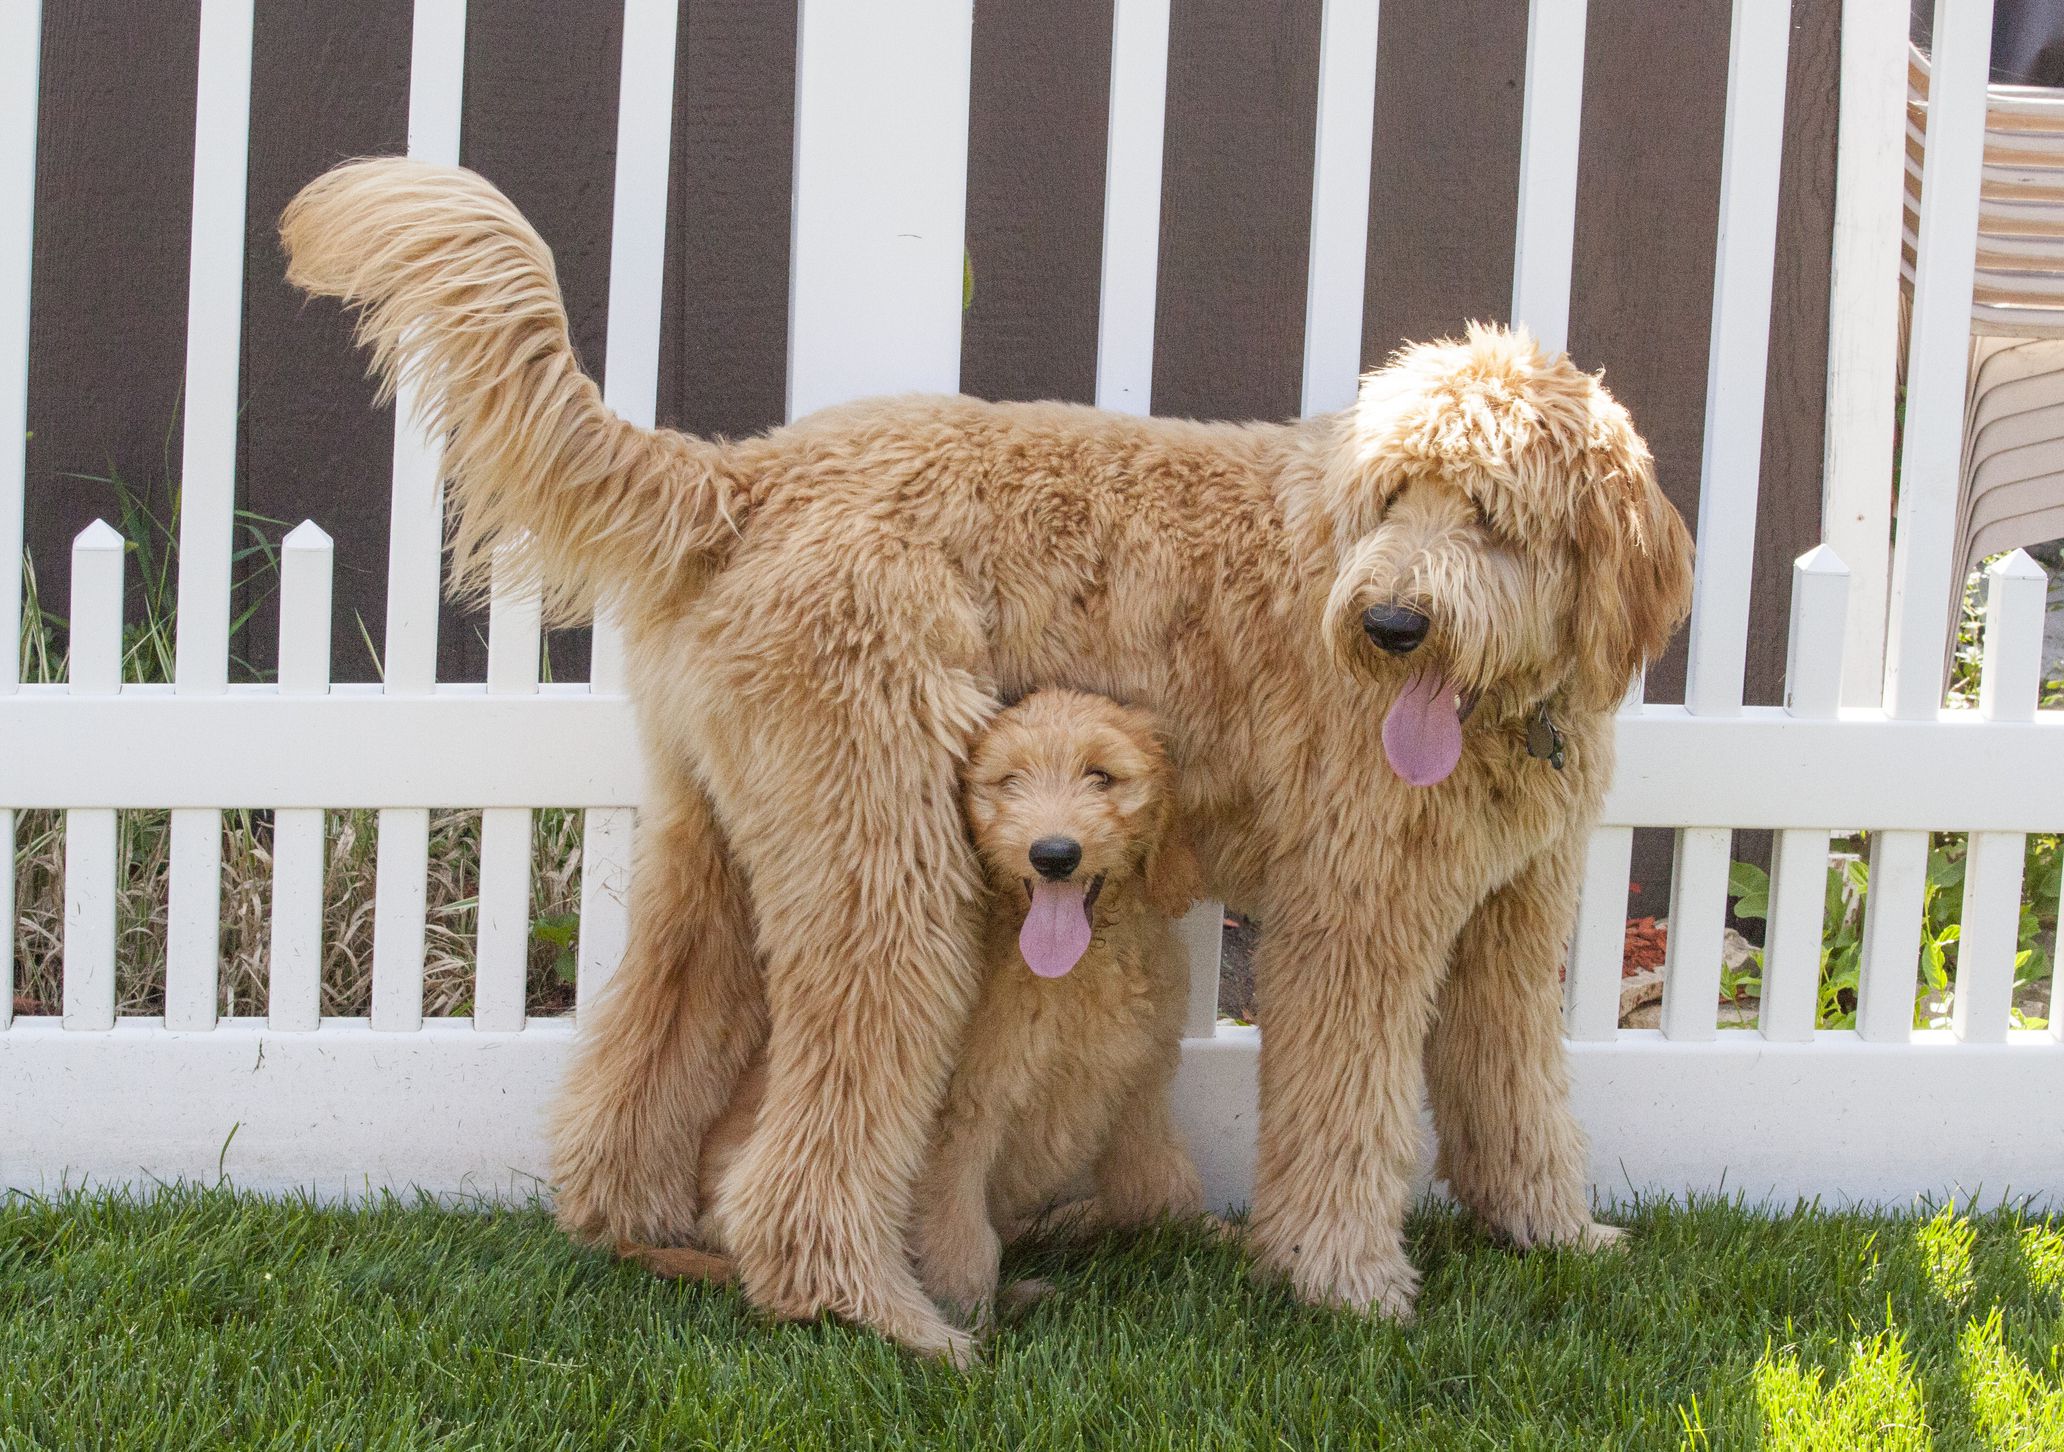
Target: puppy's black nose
1395,628
1056,857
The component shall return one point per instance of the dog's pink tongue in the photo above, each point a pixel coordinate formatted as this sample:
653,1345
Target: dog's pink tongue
1422,735
1056,931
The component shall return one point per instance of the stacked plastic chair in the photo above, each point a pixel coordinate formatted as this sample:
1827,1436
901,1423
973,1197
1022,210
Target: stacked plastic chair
2012,491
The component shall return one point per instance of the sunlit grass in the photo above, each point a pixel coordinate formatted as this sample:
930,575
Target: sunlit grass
211,1319
1875,1402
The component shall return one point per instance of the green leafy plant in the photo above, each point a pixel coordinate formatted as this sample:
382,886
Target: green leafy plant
560,932
1842,918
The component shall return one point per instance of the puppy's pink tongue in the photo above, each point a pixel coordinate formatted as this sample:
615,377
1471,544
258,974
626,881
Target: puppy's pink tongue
1422,735
1056,931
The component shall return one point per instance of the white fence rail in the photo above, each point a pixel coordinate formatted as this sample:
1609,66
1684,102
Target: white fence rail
299,1099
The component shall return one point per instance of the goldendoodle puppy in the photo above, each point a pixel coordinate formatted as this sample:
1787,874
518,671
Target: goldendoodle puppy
1077,1028
1385,645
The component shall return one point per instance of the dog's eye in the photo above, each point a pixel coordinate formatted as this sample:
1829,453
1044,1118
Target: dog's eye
1008,782
1098,777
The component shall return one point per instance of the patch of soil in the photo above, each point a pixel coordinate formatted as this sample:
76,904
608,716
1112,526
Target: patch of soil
1236,968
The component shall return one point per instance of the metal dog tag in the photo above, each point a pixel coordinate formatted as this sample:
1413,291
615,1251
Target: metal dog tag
1543,741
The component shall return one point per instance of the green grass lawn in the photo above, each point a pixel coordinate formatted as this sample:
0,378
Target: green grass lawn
210,1319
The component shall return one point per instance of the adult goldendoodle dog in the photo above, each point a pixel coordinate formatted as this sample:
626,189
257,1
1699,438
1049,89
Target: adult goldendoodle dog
1065,1068
1385,643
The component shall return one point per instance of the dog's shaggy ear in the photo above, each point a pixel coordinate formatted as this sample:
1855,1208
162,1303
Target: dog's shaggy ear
1633,557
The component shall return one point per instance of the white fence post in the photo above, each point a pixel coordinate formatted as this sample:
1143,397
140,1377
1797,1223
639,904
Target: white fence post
637,267
502,945
880,199
1799,855
90,838
1551,127
1132,205
1931,454
1591,986
415,557
1751,161
294,1000
1339,256
207,495
2007,691
1698,915
1863,328
1937,360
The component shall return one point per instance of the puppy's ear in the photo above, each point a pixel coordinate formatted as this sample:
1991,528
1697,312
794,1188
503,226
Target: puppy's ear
1173,878
1633,560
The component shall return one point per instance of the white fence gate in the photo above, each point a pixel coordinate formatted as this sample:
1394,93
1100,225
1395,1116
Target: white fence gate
455,1105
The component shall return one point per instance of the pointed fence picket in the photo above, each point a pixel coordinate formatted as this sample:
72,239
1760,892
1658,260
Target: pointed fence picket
294,1002
1793,925
90,833
2010,679
877,222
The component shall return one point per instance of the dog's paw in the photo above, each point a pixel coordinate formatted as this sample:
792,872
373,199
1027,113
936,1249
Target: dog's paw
1584,1236
932,1337
601,1201
1371,1283
1597,1238
1019,1297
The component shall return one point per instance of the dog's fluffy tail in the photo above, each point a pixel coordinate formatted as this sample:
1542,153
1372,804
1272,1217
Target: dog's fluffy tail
457,295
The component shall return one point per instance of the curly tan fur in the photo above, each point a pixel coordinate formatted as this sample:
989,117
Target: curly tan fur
821,618
1056,1079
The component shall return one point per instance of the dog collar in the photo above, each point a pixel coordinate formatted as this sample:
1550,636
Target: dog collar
1543,741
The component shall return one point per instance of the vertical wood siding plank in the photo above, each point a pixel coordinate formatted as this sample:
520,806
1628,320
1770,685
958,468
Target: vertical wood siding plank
294,1002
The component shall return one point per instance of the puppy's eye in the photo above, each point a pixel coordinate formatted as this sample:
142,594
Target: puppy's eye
1098,777
1008,783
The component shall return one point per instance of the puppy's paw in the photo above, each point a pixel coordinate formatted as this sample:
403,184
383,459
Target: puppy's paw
1019,1297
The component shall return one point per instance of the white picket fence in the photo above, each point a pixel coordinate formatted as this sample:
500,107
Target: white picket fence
454,1105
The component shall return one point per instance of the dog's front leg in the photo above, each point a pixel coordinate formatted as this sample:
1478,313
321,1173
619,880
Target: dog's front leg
1347,980
1510,1147
657,1058
954,1240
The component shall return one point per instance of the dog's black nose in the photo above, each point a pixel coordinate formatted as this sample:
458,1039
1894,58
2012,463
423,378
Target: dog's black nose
1395,628
1056,857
